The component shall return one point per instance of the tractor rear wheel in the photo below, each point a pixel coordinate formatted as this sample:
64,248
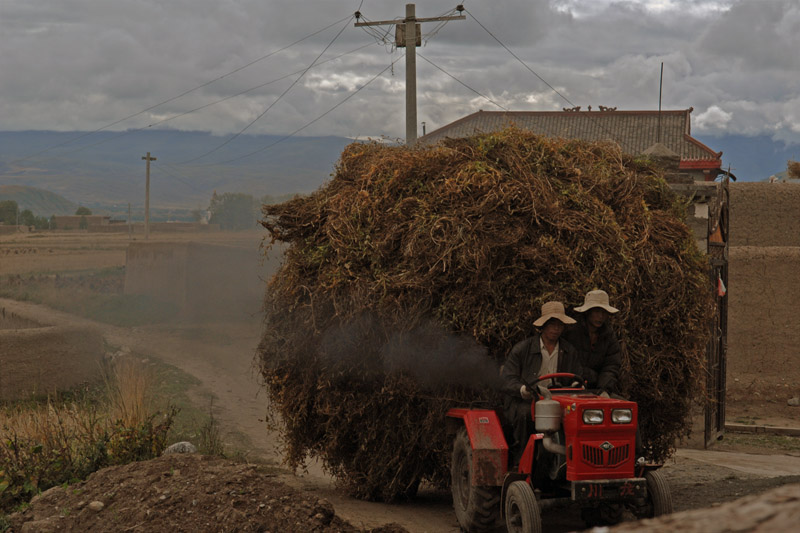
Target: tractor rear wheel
522,509
477,508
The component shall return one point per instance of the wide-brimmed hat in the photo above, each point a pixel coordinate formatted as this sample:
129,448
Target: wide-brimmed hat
596,299
553,310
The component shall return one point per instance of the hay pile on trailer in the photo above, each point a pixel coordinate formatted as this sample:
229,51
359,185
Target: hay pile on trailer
412,272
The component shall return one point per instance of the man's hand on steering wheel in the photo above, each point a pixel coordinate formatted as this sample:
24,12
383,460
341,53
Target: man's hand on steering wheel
577,381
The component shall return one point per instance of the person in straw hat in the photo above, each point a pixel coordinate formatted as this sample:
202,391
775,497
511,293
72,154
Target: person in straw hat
596,342
543,353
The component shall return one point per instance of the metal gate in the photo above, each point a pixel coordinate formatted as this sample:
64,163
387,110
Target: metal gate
718,226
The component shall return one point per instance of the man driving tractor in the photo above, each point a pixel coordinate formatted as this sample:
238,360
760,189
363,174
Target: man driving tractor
543,353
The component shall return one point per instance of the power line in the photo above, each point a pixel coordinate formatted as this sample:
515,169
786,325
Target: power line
70,141
273,103
173,173
298,130
621,142
520,60
204,106
462,83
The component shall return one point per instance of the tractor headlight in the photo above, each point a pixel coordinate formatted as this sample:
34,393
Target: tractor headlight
621,416
593,416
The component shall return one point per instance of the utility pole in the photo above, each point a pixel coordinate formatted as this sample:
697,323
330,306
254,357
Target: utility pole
147,197
410,31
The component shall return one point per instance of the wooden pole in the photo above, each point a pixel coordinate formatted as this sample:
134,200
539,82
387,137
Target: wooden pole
147,197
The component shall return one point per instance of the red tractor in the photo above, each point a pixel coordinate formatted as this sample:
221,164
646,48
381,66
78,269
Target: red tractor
583,451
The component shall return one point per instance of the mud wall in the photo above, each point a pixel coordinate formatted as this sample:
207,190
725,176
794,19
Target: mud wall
202,280
156,227
765,214
764,289
36,361
158,270
764,279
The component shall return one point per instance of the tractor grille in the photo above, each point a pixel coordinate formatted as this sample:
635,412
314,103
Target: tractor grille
594,455
617,455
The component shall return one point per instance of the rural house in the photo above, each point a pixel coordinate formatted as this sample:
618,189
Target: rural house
665,135
79,221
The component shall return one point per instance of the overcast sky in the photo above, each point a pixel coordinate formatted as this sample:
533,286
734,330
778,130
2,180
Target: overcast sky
84,64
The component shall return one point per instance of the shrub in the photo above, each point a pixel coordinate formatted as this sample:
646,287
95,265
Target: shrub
56,442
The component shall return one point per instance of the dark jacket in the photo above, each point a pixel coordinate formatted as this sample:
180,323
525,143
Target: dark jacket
602,361
525,358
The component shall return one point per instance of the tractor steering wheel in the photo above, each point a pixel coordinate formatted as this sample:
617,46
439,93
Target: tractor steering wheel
574,377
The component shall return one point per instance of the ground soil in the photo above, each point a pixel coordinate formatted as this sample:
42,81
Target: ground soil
220,356
182,492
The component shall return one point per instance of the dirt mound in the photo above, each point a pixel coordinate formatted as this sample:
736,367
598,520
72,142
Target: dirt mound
181,492
776,510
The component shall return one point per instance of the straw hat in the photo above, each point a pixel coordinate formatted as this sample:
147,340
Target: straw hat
553,310
596,299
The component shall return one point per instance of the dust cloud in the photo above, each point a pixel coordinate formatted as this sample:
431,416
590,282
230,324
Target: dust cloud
433,356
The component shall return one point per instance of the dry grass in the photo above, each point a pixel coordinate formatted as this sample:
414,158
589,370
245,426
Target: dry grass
129,385
58,441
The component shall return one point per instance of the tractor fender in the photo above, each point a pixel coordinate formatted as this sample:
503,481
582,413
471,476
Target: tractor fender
489,446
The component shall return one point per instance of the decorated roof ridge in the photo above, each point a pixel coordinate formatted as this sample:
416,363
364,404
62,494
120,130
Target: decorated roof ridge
606,112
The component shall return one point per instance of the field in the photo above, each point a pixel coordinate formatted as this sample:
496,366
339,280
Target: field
79,277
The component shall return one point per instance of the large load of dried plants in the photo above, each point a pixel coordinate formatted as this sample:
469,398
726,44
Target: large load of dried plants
410,274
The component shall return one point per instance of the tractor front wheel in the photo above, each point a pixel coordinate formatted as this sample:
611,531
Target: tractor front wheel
522,509
477,508
659,497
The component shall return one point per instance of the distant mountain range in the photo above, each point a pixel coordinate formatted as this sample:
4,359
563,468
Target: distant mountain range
104,170
40,202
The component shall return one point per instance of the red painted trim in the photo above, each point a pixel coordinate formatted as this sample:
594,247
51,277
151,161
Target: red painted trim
526,462
700,164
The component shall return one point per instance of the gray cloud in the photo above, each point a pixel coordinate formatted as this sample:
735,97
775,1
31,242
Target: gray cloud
82,64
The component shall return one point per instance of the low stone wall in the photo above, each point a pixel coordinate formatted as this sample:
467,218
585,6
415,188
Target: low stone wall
36,361
156,227
8,230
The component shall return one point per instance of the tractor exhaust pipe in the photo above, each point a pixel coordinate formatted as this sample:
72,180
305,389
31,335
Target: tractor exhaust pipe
548,420
551,446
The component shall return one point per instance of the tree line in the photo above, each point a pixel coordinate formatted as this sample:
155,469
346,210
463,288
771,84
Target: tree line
237,211
10,215
232,211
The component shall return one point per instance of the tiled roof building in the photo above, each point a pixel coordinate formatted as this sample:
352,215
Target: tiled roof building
663,134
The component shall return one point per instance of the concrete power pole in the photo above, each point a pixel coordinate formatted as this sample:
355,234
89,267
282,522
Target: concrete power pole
147,197
410,30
